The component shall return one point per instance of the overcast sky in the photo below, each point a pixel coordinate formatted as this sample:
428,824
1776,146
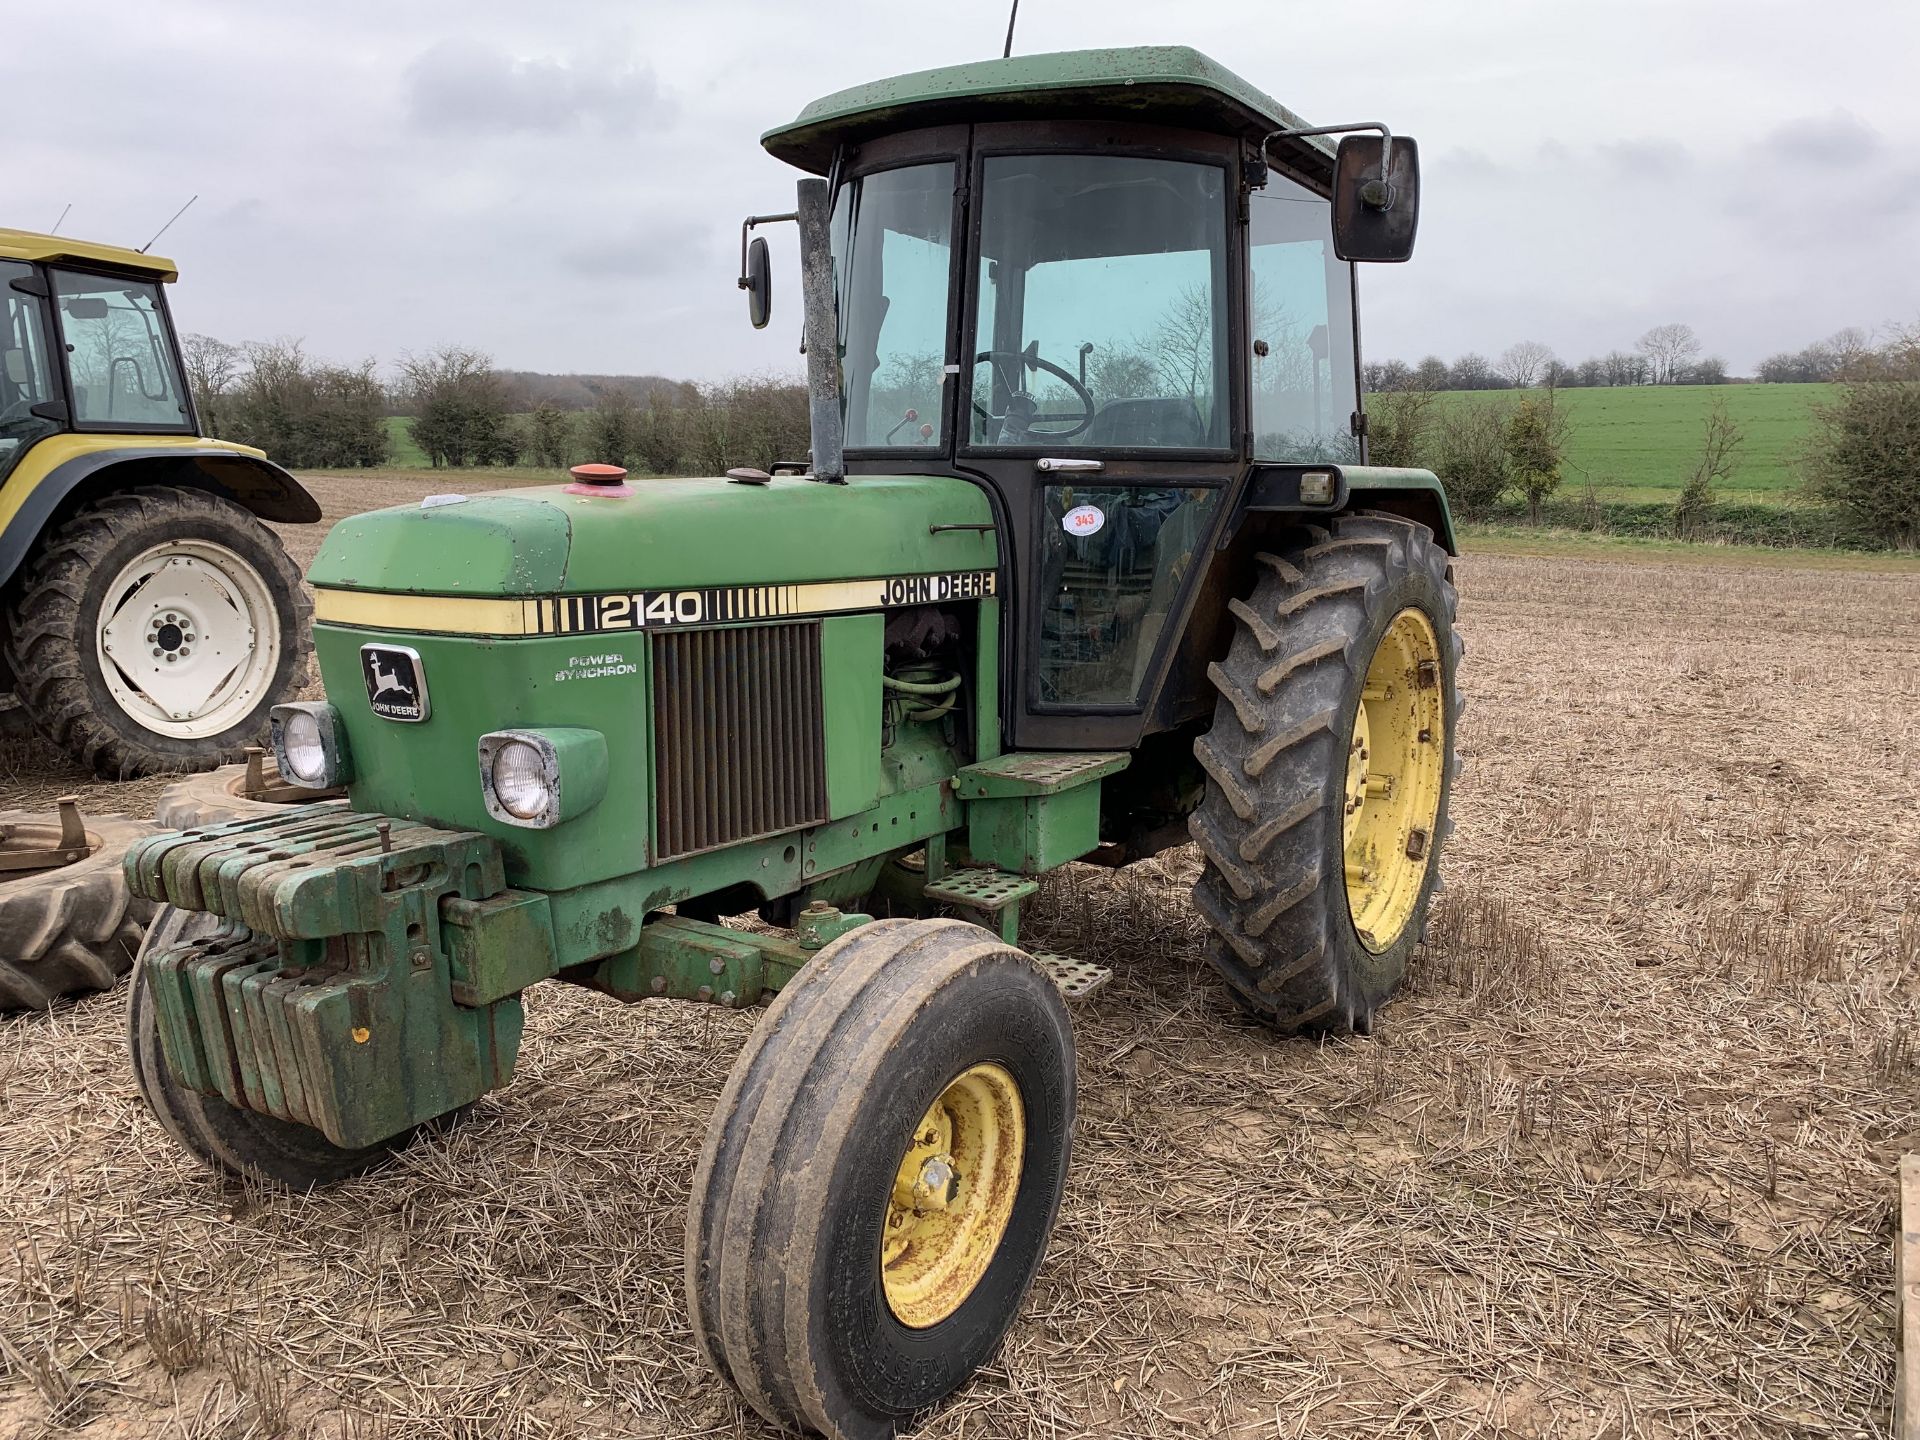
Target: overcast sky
561,183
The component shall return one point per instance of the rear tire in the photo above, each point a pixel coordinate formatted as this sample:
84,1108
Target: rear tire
1281,887
225,1137
167,578
73,929
812,1286
220,795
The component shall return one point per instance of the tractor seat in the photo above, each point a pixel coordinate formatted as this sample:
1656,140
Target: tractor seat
1165,423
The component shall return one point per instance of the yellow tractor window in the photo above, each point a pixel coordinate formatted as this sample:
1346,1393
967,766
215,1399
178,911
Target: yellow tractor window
120,357
26,379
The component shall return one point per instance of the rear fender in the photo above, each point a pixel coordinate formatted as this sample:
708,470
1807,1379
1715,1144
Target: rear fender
46,488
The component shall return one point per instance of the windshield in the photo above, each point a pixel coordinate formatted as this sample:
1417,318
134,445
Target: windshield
119,358
26,377
1102,304
893,255
1304,391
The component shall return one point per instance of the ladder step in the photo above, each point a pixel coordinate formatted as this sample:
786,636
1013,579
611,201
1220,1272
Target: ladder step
1077,979
981,888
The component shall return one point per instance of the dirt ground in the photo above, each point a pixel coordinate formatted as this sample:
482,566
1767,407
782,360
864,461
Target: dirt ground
1618,1164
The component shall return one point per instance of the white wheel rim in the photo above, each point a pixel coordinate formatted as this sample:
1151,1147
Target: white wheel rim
188,639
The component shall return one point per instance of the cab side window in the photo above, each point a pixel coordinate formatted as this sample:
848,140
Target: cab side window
119,358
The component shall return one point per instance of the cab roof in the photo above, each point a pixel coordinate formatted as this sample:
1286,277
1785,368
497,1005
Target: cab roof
1157,84
29,245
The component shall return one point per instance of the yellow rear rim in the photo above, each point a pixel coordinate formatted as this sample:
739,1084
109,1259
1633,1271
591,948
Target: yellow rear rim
1395,770
953,1196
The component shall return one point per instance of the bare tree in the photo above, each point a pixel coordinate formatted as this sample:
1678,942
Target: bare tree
212,368
1720,443
1669,349
1525,363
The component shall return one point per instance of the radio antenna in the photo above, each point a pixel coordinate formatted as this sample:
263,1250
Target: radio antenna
169,225
62,220
1007,53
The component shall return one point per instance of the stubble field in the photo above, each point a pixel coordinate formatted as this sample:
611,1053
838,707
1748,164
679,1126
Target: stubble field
1618,1163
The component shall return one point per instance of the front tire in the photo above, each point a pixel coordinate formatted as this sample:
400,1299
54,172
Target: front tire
881,1176
1330,764
153,631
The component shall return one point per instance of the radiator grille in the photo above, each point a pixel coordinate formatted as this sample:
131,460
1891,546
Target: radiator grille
738,743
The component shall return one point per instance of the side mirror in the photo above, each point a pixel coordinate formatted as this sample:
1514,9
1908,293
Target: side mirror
1375,215
757,280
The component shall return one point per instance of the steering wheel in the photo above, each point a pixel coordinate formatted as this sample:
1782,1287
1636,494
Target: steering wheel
1022,411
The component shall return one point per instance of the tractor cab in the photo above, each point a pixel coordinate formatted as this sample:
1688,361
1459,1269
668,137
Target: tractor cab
1108,287
86,344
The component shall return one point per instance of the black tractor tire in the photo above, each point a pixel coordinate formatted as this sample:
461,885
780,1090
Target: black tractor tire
220,795
73,929
790,1203
54,610
224,1137
1270,826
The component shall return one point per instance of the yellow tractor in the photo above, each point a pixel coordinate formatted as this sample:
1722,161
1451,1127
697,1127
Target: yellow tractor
148,619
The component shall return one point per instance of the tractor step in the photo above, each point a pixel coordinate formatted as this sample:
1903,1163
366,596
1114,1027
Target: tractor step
1077,979
981,888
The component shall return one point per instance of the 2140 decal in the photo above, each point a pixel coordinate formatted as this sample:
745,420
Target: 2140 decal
718,605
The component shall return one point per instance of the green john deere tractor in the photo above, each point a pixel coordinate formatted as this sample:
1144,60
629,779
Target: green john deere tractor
148,619
1087,558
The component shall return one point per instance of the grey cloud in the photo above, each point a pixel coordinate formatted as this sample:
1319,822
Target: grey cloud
640,250
1826,141
462,87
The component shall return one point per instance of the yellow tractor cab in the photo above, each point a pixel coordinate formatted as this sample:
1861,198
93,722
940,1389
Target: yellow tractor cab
148,619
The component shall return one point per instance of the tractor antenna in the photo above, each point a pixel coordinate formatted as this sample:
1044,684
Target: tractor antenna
1007,53
169,225
62,220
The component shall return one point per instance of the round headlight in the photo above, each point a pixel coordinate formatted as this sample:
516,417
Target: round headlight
520,780
305,757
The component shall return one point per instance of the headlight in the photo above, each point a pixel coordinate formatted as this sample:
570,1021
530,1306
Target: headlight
520,781
309,744
537,778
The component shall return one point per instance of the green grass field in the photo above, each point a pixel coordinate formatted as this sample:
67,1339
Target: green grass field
406,454
1633,443
1638,442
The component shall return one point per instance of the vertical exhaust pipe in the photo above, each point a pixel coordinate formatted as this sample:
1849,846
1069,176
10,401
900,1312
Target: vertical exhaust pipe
822,333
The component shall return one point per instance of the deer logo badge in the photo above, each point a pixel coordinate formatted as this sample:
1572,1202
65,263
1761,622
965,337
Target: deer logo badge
396,683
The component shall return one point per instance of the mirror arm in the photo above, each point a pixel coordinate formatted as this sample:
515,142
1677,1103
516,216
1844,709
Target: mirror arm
746,227
1378,195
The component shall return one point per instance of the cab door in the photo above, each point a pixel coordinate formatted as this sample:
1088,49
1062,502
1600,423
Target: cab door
1100,399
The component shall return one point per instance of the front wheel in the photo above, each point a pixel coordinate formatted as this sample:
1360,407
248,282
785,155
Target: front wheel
155,629
881,1176
1330,764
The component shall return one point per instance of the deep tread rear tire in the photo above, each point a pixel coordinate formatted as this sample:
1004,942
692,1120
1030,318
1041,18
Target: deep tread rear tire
1269,827
71,930
53,609
785,1220
225,1137
215,797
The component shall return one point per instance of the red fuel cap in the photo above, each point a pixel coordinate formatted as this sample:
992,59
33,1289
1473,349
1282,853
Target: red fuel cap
599,480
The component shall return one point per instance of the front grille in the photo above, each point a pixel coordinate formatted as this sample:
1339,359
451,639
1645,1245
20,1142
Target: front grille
738,743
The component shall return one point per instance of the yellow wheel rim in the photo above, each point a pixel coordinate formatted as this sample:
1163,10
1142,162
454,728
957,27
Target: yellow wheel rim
1395,770
953,1196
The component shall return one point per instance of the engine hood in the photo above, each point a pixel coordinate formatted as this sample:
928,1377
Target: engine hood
670,533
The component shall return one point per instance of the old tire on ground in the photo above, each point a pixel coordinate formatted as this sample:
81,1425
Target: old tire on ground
219,795
225,1137
72,929
154,629
843,1270
1330,761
